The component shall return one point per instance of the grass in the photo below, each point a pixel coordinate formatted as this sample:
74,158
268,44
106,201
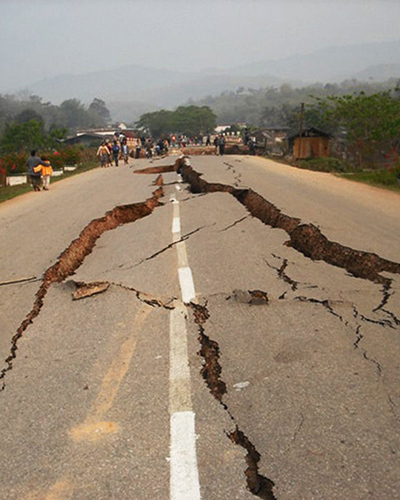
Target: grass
9,192
378,178
382,178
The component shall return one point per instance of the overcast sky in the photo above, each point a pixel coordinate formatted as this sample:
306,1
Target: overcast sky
40,38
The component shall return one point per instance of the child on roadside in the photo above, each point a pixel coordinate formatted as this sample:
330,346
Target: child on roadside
47,172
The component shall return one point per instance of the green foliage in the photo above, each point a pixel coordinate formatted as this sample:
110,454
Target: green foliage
23,137
371,122
13,163
57,133
279,106
382,177
9,192
324,164
74,114
70,115
99,112
71,155
27,115
189,120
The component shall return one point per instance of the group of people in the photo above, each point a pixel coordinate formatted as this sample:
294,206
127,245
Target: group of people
39,171
219,143
115,151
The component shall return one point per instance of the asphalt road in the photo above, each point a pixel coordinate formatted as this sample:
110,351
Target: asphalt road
183,349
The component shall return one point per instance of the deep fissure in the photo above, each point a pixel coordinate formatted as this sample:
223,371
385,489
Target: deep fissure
305,238
259,485
73,256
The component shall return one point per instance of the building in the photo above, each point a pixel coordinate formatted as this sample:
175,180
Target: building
94,137
313,143
86,139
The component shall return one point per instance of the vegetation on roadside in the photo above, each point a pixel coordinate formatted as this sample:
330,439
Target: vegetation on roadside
389,179
188,120
368,126
279,106
9,192
70,115
325,164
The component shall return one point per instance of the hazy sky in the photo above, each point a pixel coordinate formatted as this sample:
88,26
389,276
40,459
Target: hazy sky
40,38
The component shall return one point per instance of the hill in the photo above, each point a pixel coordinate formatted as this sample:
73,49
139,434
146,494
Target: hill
131,90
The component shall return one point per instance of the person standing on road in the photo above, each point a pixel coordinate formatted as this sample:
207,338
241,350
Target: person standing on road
115,152
34,165
221,145
125,150
47,172
138,148
216,142
103,154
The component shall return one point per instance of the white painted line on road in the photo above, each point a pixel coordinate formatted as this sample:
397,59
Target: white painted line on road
184,479
181,252
179,374
184,483
187,284
179,366
176,225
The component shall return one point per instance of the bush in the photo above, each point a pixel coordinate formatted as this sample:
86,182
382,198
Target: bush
71,155
385,177
325,164
56,160
13,163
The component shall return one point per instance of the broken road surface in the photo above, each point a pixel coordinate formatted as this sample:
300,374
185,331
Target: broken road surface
229,335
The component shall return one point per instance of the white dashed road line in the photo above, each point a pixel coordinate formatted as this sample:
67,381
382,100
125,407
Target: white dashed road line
184,475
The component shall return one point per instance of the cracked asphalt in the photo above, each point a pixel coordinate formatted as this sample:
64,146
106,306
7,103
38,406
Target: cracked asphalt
311,368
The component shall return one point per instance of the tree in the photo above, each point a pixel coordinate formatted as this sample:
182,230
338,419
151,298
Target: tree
372,122
99,111
74,114
23,137
28,114
189,120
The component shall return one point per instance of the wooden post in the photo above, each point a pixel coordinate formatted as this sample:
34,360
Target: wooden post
301,129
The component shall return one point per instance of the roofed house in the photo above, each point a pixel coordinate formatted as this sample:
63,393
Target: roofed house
313,143
86,139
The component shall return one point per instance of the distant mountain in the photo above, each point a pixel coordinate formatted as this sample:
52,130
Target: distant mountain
131,90
331,64
379,72
128,79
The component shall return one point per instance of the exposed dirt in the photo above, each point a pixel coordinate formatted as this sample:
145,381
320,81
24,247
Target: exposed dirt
305,238
85,290
209,351
259,485
73,256
162,169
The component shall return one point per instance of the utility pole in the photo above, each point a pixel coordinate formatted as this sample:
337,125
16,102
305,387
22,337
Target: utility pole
301,129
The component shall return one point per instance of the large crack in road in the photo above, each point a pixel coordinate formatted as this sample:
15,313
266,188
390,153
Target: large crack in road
73,256
259,485
310,242
305,238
